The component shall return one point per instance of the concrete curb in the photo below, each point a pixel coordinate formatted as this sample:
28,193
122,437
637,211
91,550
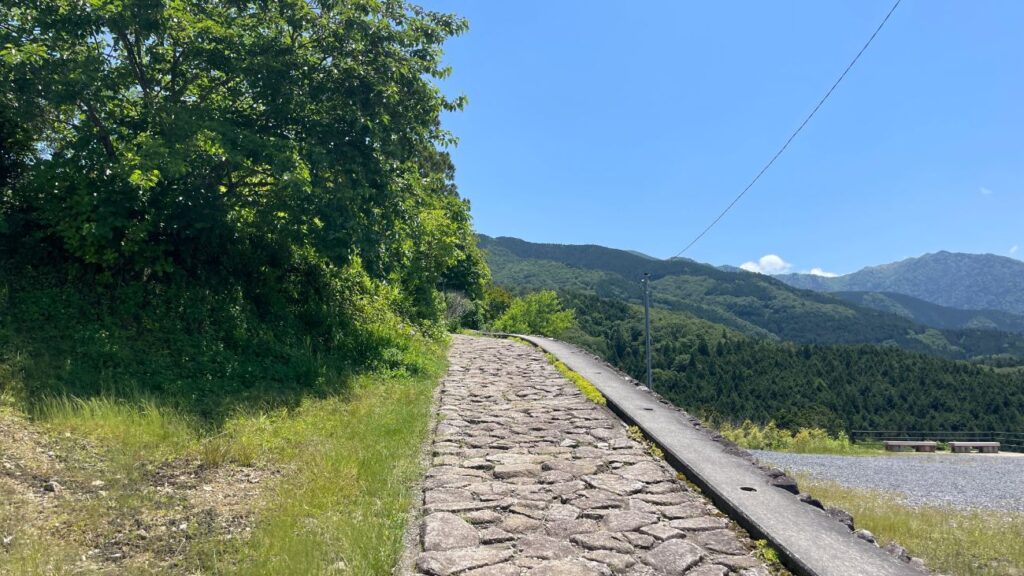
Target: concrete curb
809,542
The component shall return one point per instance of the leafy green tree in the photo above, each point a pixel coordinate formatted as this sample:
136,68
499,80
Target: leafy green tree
201,198
536,313
148,138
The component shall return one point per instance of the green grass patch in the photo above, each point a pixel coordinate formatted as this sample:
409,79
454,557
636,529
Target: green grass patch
638,435
804,441
343,508
339,472
588,389
132,434
949,540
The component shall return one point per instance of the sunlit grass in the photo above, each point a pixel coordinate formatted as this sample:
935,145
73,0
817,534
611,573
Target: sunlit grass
130,433
949,540
344,507
345,468
804,441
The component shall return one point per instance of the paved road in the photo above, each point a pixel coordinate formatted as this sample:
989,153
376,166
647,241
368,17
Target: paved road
529,478
962,480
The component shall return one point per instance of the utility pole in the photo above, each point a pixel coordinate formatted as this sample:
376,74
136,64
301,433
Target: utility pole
646,283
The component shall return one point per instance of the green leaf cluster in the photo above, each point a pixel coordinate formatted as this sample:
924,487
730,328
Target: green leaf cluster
536,313
207,198
182,138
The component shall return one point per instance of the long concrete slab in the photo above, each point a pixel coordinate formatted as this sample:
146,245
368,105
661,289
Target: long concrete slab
809,542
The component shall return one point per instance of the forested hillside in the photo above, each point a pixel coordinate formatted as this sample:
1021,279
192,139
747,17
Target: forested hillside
965,281
724,376
752,304
934,315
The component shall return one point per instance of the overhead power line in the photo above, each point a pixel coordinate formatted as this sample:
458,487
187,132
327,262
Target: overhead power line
793,135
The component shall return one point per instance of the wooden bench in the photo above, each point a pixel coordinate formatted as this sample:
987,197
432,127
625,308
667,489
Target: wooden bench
983,447
917,445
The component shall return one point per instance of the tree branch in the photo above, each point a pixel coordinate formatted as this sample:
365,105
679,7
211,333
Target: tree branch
134,58
105,139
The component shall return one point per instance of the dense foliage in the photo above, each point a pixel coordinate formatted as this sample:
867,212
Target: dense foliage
753,304
723,376
535,313
207,195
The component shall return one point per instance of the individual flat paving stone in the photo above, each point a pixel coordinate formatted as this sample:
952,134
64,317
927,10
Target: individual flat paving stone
689,510
470,506
439,495
639,540
448,562
614,484
667,499
663,488
627,520
496,570
529,477
566,528
699,524
674,557
519,524
603,541
545,547
561,512
482,517
709,570
644,471
662,531
573,567
495,535
574,467
618,563
446,531
724,541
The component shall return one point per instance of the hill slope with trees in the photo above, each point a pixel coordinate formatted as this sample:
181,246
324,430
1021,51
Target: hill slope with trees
935,315
752,304
723,376
956,280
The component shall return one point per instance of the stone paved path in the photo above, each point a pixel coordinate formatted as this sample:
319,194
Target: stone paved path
530,478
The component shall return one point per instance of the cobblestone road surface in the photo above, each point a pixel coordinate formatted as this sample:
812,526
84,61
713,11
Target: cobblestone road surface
530,478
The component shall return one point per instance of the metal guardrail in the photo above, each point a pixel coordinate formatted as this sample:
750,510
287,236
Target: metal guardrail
1008,441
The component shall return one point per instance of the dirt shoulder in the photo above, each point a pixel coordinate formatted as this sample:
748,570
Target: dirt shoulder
65,510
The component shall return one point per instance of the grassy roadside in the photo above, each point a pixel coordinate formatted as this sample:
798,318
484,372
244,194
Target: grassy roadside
105,486
950,541
803,441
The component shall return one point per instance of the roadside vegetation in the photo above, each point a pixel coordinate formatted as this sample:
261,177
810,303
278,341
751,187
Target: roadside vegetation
320,486
588,389
231,248
949,540
804,441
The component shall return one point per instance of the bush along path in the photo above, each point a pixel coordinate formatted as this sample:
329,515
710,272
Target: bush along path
530,478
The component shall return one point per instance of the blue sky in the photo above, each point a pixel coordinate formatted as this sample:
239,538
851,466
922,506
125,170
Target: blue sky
632,125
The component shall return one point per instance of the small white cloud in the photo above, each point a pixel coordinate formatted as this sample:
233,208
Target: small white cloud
985,191
1014,248
822,273
767,264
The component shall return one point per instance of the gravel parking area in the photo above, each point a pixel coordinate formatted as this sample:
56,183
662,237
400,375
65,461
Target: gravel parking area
994,482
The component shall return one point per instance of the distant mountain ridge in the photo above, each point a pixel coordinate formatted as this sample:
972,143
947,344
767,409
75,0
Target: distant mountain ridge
935,315
752,304
952,279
